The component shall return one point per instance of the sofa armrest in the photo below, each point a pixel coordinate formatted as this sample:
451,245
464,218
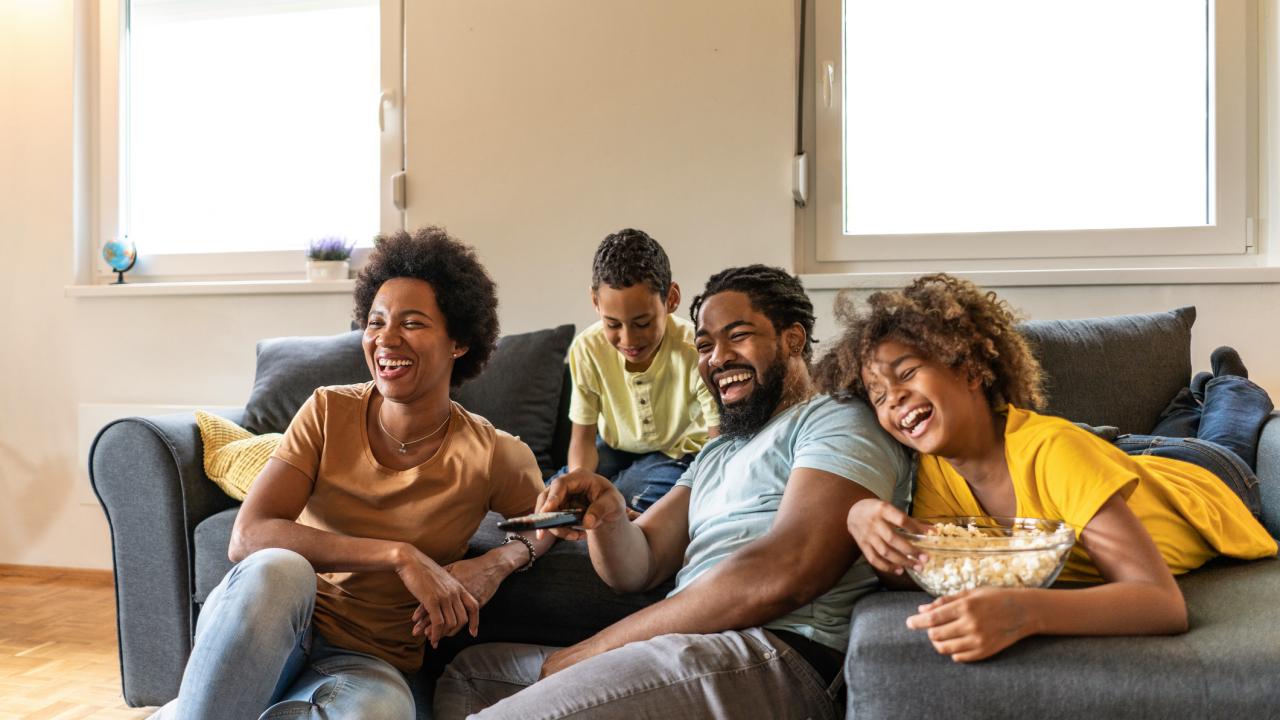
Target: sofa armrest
1269,473
149,476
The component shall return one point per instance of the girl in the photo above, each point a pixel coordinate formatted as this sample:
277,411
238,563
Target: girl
950,377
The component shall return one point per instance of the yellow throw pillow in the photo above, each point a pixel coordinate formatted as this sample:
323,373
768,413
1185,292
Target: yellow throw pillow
233,456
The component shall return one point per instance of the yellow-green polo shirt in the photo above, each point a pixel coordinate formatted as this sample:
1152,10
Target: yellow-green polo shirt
666,408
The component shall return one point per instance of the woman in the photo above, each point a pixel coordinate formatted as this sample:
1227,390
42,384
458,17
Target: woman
349,544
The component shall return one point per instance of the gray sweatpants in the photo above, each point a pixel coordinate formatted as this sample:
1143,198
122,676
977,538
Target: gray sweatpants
733,674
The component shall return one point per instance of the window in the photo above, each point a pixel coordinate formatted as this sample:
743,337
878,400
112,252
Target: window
248,127
1032,129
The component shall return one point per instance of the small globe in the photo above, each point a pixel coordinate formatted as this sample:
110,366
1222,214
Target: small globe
119,255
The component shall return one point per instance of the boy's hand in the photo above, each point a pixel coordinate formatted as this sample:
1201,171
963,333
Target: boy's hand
582,489
974,624
873,525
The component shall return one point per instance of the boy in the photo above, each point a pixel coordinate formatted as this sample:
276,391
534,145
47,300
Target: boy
640,411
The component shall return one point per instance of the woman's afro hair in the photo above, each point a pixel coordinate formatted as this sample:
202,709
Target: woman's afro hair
465,293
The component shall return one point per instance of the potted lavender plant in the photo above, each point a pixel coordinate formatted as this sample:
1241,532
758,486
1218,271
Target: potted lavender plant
328,258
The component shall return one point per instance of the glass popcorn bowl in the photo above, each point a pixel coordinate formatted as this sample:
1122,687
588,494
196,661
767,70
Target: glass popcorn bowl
969,552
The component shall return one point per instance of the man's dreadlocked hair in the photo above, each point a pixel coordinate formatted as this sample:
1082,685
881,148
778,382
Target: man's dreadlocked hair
948,320
772,291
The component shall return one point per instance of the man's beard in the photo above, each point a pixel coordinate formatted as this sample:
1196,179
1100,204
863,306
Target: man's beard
747,416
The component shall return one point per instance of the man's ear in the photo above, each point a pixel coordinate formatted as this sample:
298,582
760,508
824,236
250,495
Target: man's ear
673,297
793,340
459,351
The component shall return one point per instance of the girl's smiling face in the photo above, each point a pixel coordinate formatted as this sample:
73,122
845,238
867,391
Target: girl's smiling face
922,403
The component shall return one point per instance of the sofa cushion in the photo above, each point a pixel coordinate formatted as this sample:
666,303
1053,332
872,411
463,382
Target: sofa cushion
1223,668
519,390
291,368
212,538
1120,370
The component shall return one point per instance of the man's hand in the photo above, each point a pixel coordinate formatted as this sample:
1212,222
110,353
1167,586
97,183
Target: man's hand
448,605
873,525
582,489
572,655
974,624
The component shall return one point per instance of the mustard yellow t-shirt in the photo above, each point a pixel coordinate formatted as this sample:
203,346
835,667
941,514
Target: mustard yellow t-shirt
667,408
1063,472
435,506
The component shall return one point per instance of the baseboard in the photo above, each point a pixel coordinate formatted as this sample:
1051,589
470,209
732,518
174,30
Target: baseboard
50,573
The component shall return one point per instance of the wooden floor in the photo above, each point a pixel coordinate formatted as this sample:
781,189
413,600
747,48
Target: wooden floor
58,656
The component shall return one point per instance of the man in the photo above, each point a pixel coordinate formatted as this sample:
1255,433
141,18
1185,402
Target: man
754,533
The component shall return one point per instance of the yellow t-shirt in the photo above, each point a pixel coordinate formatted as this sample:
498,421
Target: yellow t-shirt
667,408
435,506
1063,472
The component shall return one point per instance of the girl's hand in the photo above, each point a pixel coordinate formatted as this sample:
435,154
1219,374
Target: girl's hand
974,624
448,605
873,525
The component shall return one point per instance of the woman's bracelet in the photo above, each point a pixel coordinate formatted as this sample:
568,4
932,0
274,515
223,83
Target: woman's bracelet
533,554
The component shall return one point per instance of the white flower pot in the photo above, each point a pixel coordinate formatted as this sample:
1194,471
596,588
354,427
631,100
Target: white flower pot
328,269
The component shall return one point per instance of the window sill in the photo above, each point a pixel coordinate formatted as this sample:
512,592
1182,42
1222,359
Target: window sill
219,287
1058,278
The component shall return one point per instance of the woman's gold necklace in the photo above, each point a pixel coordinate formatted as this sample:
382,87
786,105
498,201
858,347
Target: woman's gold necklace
404,445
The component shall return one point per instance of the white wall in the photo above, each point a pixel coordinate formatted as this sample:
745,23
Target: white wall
522,147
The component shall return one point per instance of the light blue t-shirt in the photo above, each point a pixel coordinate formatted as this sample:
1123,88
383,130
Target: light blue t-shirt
736,487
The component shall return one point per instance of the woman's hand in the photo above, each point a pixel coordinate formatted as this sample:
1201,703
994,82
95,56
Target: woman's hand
873,525
975,624
582,489
480,576
448,605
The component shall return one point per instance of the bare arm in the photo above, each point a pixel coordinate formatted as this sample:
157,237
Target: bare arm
582,448
628,556
1139,597
803,555
269,516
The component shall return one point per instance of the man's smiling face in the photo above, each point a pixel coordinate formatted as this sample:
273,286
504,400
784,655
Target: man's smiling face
741,360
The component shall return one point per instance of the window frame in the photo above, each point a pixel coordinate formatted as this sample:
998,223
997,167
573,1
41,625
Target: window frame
110,181
1230,242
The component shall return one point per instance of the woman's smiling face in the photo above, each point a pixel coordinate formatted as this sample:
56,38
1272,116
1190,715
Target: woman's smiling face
406,341
922,403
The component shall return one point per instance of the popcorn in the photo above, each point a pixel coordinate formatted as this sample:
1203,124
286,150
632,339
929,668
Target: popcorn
1033,559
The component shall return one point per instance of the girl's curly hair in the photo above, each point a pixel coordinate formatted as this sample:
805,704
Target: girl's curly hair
465,293
947,319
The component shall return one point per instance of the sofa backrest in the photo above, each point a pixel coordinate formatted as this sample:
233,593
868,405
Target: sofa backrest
1121,370
522,389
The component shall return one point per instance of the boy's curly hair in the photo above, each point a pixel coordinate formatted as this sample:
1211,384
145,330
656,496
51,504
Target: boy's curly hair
465,293
630,257
947,319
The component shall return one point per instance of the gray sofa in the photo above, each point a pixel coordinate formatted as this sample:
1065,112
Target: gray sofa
170,528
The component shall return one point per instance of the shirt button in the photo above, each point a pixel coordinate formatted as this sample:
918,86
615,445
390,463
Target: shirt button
642,401
646,421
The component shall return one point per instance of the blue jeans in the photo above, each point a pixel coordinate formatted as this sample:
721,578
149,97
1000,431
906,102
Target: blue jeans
642,478
1220,435
256,656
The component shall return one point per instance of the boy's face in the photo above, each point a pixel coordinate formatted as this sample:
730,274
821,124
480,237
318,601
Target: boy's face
635,319
922,403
